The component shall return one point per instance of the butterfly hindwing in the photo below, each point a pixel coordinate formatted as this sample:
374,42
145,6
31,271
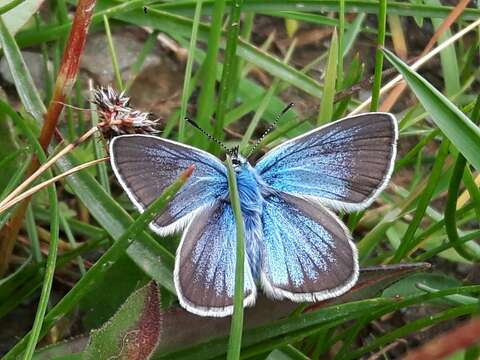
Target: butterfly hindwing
145,165
308,254
205,263
344,164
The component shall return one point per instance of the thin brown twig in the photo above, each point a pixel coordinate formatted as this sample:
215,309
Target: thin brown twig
47,165
42,185
391,346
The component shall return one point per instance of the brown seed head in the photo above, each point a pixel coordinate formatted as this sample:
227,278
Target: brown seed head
117,117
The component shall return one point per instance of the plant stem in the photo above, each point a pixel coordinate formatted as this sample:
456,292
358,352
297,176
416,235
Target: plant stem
188,71
236,329
341,31
377,81
113,54
229,68
50,270
209,69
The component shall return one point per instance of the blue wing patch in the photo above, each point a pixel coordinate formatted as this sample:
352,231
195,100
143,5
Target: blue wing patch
205,263
307,252
344,164
145,165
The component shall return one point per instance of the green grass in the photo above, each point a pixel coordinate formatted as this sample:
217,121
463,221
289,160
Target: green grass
239,79
235,341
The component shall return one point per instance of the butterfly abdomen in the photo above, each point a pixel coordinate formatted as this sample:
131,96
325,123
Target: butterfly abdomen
251,202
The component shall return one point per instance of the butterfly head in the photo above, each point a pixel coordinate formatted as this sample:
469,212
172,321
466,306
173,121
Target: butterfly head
238,160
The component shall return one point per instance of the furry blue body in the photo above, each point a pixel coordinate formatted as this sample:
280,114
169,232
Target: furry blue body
251,202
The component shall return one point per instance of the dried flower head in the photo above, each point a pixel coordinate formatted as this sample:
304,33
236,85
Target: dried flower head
117,117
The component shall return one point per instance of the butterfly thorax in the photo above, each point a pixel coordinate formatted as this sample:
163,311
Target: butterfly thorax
251,203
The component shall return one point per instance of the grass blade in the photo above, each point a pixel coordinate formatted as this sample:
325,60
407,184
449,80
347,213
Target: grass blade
369,7
98,148
448,56
451,205
414,326
326,106
352,33
229,69
341,33
209,70
49,272
53,247
423,202
460,130
188,71
33,235
235,340
265,101
21,75
113,54
377,81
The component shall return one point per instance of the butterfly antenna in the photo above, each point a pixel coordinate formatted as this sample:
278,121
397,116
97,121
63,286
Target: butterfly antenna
269,129
210,137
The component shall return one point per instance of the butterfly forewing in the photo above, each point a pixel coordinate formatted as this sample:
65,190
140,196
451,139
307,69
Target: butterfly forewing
308,254
205,263
344,164
146,165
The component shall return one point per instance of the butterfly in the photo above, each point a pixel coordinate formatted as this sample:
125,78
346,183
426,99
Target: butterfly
296,247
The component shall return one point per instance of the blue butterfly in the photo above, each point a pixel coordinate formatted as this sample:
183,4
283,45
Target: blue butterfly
296,248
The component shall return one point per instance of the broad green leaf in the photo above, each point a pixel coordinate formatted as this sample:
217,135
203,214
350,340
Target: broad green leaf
121,280
133,332
460,130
